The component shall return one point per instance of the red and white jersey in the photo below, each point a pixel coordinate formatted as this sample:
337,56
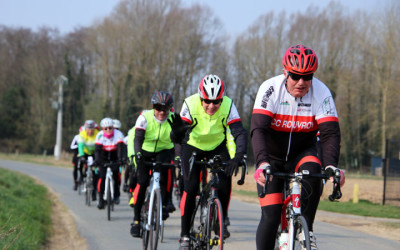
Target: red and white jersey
285,125
109,144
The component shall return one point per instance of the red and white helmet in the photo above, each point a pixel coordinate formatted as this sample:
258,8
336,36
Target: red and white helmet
211,88
300,59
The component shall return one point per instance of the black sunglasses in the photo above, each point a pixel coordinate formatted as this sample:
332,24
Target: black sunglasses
108,128
215,102
160,107
297,77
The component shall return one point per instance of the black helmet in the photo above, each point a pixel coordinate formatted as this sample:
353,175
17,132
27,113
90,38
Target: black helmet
162,98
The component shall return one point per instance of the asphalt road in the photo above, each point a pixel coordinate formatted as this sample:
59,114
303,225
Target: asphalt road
100,233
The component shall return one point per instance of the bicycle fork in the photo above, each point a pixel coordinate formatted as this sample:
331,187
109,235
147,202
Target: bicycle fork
296,206
155,185
109,184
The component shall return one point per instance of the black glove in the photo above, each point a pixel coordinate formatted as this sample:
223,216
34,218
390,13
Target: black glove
177,161
178,128
233,164
139,159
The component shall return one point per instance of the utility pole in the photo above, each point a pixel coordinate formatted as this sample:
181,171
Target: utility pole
61,80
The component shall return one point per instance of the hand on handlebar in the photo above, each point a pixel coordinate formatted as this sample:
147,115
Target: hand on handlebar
233,164
259,174
139,159
330,171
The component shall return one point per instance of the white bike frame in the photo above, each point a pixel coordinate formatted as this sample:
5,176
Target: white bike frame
154,186
109,181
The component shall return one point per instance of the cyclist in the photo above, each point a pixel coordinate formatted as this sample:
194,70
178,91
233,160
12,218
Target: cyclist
74,149
152,140
109,148
86,146
288,111
201,128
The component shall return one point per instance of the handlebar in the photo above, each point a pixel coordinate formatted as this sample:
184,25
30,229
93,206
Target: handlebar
111,164
336,192
216,165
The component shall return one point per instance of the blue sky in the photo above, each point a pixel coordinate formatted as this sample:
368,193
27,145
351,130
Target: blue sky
236,15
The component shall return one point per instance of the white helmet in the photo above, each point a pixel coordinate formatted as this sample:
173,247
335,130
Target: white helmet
90,124
211,87
116,124
106,122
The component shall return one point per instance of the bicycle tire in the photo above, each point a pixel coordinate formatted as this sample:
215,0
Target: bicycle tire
301,230
162,232
109,200
144,216
155,225
215,225
88,196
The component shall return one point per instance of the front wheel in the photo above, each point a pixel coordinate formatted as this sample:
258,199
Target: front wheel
301,235
143,217
155,220
215,225
109,201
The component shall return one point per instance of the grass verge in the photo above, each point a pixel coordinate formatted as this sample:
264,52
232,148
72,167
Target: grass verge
25,212
362,208
65,160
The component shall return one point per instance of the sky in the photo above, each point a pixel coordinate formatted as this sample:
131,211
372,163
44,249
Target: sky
236,15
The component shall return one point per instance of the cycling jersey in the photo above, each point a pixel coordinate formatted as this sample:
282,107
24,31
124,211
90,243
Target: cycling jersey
282,126
156,133
74,143
86,143
108,149
208,131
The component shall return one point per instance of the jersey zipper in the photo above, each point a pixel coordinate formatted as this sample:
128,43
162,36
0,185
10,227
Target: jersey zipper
158,138
294,113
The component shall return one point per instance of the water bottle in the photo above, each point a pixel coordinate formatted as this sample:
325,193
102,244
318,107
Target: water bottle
283,239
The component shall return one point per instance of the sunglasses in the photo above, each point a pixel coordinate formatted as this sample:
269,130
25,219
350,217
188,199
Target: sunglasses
159,107
108,128
215,102
297,77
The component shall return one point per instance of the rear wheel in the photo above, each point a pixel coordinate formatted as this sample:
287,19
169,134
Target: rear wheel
215,225
301,234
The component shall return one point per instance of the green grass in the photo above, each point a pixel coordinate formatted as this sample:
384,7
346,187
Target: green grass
65,161
25,212
362,208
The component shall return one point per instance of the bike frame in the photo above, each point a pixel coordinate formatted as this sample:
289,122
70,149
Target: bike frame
153,187
109,183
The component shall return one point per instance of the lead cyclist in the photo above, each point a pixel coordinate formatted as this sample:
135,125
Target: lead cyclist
288,111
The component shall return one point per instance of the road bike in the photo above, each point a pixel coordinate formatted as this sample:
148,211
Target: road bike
109,187
151,214
293,232
209,232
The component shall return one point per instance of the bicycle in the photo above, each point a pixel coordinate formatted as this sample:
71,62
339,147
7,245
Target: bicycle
151,214
109,187
293,232
210,230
